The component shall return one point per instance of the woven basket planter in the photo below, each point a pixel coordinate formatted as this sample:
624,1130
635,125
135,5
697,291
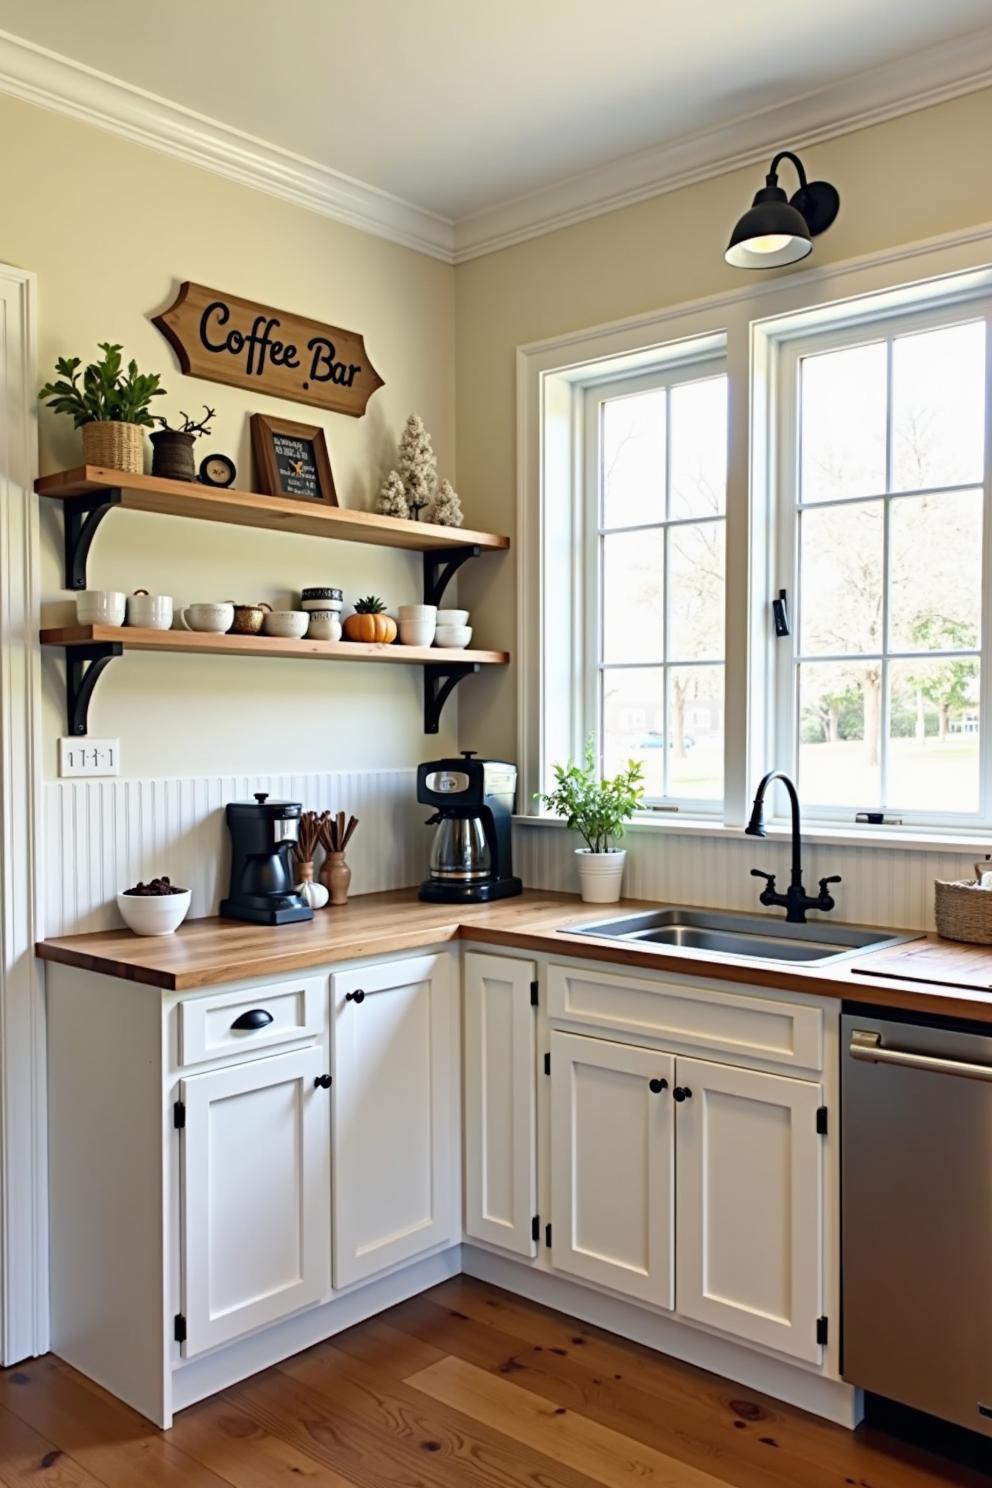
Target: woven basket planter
963,911
115,446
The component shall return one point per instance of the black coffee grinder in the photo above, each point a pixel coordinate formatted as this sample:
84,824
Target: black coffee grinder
470,855
263,836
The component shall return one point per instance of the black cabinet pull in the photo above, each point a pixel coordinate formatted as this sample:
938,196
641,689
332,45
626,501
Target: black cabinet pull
322,1082
681,1093
657,1086
358,996
254,1018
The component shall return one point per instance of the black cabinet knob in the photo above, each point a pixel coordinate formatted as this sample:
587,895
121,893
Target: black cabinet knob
657,1086
681,1093
253,1018
357,996
322,1082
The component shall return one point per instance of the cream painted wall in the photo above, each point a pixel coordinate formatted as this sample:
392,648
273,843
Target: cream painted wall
109,228
918,176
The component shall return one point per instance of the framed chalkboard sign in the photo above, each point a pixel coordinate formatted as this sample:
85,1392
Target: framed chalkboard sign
291,460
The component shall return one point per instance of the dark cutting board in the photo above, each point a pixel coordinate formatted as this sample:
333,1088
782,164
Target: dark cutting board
944,963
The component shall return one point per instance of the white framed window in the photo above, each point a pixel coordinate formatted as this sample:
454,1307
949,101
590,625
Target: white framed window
880,704
654,578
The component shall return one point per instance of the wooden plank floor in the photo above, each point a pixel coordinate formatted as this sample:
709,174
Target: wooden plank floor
463,1387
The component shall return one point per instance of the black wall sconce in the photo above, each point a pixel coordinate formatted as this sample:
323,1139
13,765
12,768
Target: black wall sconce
778,231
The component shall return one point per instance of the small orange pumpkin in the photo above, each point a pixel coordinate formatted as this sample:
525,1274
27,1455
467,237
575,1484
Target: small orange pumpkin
370,622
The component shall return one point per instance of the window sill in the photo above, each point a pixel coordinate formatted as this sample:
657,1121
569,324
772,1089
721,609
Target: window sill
898,838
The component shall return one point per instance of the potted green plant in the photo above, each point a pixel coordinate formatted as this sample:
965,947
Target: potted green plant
598,809
109,403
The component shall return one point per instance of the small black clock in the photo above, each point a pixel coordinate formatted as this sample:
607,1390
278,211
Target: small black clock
217,470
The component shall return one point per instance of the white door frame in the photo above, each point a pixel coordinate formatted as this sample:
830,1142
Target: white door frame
23,1133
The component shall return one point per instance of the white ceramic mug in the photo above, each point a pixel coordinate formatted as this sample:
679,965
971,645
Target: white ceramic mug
325,625
101,607
215,618
150,611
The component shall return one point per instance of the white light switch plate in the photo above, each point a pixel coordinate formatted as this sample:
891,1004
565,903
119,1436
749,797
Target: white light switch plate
89,757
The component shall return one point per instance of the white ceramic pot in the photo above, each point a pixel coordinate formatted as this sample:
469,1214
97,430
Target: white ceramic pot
452,617
325,625
418,612
288,625
321,599
101,607
154,914
215,618
453,635
414,632
600,875
150,611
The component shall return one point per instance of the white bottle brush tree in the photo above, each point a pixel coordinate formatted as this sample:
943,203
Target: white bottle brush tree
447,507
418,465
392,497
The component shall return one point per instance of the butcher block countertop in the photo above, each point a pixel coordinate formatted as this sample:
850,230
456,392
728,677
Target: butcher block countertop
927,975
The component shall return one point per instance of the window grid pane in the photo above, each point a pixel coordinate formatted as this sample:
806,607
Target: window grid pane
887,667
661,567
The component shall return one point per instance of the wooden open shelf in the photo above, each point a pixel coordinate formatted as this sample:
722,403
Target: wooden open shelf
173,498
133,639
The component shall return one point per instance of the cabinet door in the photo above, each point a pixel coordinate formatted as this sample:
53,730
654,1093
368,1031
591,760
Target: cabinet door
612,1166
749,1205
395,1114
255,1195
500,1102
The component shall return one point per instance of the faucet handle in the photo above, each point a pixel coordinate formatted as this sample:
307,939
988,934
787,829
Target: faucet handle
824,882
768,877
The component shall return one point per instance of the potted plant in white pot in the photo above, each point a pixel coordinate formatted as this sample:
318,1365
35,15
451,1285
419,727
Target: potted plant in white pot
598,809
110,404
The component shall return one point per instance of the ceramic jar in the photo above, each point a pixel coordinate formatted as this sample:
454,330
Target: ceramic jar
288,625
337,876
417,624
101,607
325,625
322,599
213,618
457,636
249,618
172,455
149,611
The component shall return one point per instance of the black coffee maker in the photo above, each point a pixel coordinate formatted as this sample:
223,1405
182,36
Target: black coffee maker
470,855
263,836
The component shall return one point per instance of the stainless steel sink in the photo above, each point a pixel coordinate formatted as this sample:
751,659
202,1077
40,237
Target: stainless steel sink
759,937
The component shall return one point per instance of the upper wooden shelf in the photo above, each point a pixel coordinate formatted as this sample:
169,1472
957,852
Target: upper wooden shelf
249,509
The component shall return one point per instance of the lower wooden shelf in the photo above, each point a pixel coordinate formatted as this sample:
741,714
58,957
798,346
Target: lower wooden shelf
89,648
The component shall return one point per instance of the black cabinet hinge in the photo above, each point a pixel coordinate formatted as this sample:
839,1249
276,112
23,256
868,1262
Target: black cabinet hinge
547,1236
535,1228
821,1330
179,1328
821,1121
535,997
179,1115
547,1063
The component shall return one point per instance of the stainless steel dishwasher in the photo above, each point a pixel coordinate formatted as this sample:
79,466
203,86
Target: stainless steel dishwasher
917,1214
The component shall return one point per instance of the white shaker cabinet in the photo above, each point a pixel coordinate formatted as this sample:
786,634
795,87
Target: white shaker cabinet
749,1199
500,1102
255,1195
613,1166
395,1145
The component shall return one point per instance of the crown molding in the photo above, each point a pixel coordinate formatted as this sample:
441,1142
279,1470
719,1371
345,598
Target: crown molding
42,77
36,75
919,81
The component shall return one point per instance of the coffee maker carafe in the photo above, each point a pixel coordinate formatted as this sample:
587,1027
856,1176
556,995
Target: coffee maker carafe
470,852
263,836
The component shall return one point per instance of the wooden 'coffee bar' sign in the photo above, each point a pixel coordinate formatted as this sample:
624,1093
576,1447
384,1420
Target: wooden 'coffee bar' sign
227,339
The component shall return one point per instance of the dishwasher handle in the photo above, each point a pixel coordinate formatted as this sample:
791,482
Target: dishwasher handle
867,1046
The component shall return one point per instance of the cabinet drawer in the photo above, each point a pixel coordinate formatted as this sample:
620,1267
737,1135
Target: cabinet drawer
209,1026
689,1013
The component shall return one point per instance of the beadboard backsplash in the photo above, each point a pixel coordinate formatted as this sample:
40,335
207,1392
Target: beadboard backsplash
104,835
881,885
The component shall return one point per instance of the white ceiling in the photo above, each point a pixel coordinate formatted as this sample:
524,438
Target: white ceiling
458,105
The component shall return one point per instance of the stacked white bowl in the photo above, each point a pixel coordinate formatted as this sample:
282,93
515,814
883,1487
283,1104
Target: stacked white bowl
417,624
453,629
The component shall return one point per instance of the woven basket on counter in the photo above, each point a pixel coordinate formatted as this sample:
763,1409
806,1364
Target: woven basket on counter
963,911
115,446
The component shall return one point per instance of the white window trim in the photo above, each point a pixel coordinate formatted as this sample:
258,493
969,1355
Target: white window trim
754,322
780,703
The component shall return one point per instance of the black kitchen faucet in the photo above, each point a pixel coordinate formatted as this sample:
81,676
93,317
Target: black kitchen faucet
795,901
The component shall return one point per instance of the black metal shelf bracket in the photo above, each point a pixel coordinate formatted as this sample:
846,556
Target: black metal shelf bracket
82,516
83,666
440,567
440,680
